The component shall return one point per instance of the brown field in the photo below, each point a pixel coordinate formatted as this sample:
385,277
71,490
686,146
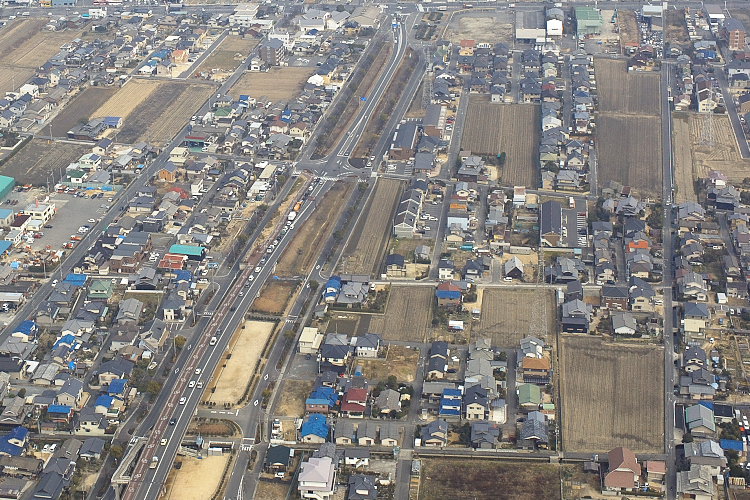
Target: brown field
715,147
399,361
300,255
292,397
362,255
630,152
626,93
234,374
493,128
79,109
223,58
196,479
683,158
675,28
278,84
270,489
25,43
127,98
479,480
158,118
12,77
603,404
39,158
508,315
407,315
630,35
274,297
482,28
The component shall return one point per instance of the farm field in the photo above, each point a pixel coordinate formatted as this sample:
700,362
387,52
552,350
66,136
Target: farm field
630,152
602,404
197,479
223,58
11,77
274,297
683,158
158,118
362,256
231,379
493,128
488,480
79,109
39,159
623,92
25,43
399,361
292,397
300,255
407,315
714,147
278,84
508,315
482,28
127,98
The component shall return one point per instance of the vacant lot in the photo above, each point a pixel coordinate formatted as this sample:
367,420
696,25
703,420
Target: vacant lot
301,253
493,128
80,108
234,374
228,55
292,397
675,28
127,98
25,43
159,118
508,315
278,84
363,254
407,315
630,35
683,158
630,152
41,161
605,388
623,92
196,479
715,147
400,361
274,297
479,480
482,28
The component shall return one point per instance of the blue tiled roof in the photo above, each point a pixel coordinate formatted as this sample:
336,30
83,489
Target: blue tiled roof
105,401
117,386
59,409
326,394
28,327
316,424
76,279
731,444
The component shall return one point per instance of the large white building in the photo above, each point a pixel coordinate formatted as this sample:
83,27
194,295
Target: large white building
244,15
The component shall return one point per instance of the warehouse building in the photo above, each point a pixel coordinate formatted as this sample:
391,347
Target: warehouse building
531,26
588,21
6,186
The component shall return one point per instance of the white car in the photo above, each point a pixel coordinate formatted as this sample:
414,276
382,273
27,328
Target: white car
197,371
258,269
191,384
164,442
183,400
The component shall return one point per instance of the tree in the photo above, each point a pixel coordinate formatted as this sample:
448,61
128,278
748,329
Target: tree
179,341
117,451
687,438
22,392
501,158
153,387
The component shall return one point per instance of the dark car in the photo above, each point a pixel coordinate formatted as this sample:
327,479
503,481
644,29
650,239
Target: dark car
172,421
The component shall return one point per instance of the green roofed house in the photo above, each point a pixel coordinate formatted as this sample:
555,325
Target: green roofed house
529,396
6,186
101,289
193,252
588,21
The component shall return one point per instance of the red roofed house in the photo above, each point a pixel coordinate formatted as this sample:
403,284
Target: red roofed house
655,471
354,403
279,127
624,470
172,261
467,47
448,294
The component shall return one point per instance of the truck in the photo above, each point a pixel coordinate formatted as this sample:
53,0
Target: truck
297,206
292,215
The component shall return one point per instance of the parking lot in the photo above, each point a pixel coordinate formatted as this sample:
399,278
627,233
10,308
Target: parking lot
430,223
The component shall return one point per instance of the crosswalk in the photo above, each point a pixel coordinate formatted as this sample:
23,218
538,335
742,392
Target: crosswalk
247,444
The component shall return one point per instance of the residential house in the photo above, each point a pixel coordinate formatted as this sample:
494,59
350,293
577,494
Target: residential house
623,472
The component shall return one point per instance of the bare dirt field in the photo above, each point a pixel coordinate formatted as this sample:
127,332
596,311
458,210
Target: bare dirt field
79,109
714,147
605,388
399,361
12,77
39,159
407,315
274,297
269,489
482,28
234,374
25,42
363,254
292,397
630,35
300,255
675,28
158,118
225,57
623,92
197,479
509,314
630,152
493,128
127,98
278,84
683,158
479,480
